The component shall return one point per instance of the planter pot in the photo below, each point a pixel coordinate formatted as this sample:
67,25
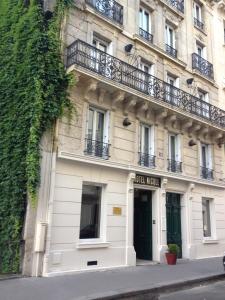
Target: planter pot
171,258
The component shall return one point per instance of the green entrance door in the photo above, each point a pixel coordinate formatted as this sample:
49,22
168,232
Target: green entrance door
143,224
173,220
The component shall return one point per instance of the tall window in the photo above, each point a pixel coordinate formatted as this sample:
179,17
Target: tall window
145,79
206,217
206,161
197,12
201,51
144,20
90,212
147,157
174,153
170,36
97,133
198,19
171,89
203,107
100,62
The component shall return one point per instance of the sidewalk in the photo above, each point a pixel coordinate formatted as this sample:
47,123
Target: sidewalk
100,284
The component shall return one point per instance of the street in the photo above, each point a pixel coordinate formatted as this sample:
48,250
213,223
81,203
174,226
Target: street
212,291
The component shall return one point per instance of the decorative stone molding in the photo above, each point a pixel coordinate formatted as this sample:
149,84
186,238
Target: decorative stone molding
117,97
101,95
130,182
193,129
129,103
91,86
163,186
160,116
190,190
141,107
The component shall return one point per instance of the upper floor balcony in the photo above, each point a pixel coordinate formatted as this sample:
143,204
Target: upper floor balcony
171,51
202,65
146,35
109,8
178,4
93,60
198,24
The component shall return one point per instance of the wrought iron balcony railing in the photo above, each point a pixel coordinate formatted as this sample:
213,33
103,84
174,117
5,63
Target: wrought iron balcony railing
202,65
198,24
178,4
109,8
171,51
99,62
146,160
146,35
207,173
174,166
96,148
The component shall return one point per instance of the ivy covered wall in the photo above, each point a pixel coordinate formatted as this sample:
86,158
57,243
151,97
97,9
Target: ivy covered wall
33,94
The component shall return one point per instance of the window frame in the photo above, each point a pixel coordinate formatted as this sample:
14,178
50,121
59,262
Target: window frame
209,157
177,147
142,12
102,221
199,6
167,38
212,236
151,139
106,121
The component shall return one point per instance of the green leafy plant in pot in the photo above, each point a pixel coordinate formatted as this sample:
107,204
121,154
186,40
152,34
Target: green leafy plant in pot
171,255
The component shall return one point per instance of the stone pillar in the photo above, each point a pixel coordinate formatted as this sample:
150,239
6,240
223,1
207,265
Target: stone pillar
163,236
130,252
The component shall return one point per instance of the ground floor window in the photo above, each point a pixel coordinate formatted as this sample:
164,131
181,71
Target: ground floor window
206,217
90,212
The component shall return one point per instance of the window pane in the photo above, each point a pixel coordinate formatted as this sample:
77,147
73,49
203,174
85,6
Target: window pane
99,127
90,212
146,140
173,147
90,123
206,217
204,156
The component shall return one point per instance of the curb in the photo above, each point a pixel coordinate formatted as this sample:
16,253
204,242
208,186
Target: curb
9,277
152,293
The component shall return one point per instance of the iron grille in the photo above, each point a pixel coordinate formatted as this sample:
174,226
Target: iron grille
202,65
206,173
198,24
174,166
96,148
146,160
171,51
109,8
178,4
97,61
146,35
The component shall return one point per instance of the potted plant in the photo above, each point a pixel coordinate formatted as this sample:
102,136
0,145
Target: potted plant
171,255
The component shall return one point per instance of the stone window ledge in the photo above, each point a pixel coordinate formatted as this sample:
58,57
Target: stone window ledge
89,245
210,241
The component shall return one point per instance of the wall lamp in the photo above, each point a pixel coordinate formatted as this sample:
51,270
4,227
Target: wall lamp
126,122
190,81
128,48
192,143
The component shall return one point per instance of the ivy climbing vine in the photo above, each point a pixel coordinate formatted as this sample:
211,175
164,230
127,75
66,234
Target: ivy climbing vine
33,94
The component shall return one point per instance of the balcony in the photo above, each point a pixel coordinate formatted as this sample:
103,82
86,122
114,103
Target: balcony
198,24
171,51
202,65
98,62
178,4
110,9
174,166
206,173
146,160
96,148
146,35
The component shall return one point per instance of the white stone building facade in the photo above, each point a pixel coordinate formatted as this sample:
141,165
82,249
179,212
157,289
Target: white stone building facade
142,162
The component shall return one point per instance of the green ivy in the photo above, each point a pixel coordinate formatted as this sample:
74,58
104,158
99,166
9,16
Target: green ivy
33,94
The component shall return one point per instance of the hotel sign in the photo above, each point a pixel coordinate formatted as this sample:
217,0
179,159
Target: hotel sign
147,180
